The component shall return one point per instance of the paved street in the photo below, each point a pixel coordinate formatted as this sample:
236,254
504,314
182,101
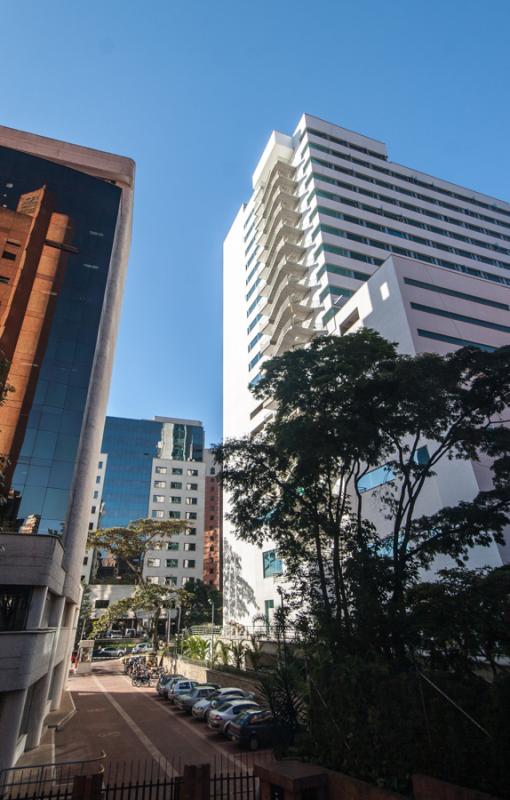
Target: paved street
135,724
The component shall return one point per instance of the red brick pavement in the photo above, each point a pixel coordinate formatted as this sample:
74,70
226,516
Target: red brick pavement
134,724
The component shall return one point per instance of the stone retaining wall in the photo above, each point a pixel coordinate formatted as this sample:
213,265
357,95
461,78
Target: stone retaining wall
199,672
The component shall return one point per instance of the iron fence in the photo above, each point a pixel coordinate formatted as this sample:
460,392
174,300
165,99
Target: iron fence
143,780
51,781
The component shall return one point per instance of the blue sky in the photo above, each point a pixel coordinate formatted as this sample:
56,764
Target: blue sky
192,90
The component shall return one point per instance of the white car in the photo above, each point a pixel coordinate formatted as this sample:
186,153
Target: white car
202,708
222,716
142,649
111,652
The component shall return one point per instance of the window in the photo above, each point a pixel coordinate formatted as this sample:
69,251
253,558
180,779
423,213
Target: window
96,495
172,546
175,499
175,485
212,471
376,477
176,470
98,479
191,514
100,465
452,293
85,561
161,470
152,579
441,312
190,532
91,526
158,498
193,473
158,514
172,563
153,562
442,337
188,563
9,256
192,487
189,546
170,580
101,604
174,514
156,545
191,501
268,607
272,566
160,484
188,581
93,510
14,607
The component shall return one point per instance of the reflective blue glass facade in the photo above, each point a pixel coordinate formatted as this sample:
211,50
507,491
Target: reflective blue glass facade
46,198
130,444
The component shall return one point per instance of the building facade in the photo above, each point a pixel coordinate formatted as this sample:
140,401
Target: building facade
213,525
149,469
327,210
65,223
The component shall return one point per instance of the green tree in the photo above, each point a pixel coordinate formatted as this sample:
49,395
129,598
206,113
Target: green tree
195,647
344,406
84,624
198,607
129,545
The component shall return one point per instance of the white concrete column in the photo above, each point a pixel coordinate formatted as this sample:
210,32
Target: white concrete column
37,712
11,712
37,604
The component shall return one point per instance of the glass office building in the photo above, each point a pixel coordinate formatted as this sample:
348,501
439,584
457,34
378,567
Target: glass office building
57,228
131,445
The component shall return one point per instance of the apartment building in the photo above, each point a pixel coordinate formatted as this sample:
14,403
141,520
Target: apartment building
149,469
65,225
213,519
328,209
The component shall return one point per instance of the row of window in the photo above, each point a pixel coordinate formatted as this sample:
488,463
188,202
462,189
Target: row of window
254,322
160,498
422,184
443,337
381,475
254,361
191,487
171,563
385,198
271,565
441,312
454,293
253,305
343,142
426,226
170,580
402,251
401,234
177,471
174,515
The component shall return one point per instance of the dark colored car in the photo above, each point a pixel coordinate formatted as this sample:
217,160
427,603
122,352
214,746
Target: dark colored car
255,729
163,681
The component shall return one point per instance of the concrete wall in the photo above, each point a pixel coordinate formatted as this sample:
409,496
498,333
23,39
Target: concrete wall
203,674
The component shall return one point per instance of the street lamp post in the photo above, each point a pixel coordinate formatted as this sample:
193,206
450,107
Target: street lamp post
212,632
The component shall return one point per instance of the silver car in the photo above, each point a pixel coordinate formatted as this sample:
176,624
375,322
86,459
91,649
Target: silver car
179,687
222,716
201,709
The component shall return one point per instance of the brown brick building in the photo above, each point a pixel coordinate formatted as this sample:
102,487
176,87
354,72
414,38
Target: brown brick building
34,243
213,516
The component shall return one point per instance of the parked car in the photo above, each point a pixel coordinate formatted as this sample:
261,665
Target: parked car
219,717
111,652
168,686
180,687
201,709
163,681
142,649
114,635
255,729
201,691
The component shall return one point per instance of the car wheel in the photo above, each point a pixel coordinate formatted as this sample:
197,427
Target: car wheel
254,743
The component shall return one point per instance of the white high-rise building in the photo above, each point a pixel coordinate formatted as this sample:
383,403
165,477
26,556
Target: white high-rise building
327,210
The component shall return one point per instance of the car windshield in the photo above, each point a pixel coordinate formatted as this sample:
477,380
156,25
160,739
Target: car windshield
224,707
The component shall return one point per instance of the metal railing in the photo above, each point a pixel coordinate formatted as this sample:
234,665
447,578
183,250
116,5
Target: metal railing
52,781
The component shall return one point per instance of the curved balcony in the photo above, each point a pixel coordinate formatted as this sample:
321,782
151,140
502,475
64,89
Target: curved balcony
289,292
270,272
281,177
